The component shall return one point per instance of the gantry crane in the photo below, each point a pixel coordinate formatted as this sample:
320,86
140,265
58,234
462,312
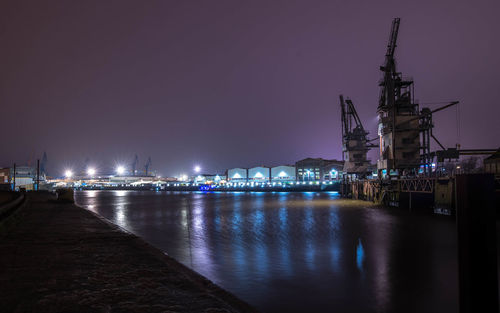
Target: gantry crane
355,143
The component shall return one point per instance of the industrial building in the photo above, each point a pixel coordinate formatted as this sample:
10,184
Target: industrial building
310,169
259,174
5,179
318,169
492,163
237,174
24,177
283,173
209,178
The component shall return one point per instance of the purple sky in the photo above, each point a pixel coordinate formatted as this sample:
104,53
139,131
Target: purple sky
231,83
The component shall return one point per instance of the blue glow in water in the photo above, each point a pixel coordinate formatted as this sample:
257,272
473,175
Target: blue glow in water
360,255
283,215
334,229
217,219
259,220
308,234
237,218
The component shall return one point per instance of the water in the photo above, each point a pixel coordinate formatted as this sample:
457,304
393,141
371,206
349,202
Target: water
297,252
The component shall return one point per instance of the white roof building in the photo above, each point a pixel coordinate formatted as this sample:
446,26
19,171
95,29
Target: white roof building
259,173
238,174
283,173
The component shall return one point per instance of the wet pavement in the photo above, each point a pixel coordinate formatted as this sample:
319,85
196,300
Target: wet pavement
62,258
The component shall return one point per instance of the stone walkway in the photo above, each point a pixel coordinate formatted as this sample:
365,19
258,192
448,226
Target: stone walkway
62,258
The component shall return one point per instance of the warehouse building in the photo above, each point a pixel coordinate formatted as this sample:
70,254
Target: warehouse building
310,169
209,178
25,177
318,169
283,173
259,174
237,174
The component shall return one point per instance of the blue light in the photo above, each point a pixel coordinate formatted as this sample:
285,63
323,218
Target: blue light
360,255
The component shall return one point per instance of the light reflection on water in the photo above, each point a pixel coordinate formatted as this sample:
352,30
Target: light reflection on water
297,252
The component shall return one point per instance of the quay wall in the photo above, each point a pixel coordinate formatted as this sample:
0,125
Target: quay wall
62,258
423,194
287,188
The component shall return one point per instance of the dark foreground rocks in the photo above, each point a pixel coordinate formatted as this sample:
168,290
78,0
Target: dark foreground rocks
62,258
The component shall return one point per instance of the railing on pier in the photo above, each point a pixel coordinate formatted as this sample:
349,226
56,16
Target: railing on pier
421,185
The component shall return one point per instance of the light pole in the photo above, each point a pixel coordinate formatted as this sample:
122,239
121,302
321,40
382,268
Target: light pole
120,170
91,171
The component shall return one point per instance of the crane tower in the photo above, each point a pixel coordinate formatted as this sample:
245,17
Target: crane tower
398,129
354,141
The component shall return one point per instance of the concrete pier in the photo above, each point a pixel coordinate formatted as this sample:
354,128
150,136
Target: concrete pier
62,258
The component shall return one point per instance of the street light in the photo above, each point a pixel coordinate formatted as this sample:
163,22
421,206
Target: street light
68,173
91,171
120,170
197,168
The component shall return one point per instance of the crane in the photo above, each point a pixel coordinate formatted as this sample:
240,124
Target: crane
389,68
147,166
134,165
354,139
43,164
399,146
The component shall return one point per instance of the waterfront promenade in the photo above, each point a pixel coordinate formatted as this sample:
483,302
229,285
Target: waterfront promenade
62,258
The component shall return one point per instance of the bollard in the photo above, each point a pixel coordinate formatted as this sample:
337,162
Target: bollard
65,195
477,254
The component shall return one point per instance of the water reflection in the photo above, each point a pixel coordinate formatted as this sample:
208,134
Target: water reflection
295,252
360,255
121,218
119,193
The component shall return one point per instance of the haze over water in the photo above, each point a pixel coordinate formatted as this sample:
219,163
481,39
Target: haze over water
297,252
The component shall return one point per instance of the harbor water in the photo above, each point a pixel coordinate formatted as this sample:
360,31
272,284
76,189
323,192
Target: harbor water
297,251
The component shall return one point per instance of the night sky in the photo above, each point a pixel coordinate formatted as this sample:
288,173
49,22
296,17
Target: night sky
231,83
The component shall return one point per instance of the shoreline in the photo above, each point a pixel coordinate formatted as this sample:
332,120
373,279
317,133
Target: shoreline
61,257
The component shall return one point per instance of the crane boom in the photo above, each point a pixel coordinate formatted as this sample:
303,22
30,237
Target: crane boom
391,47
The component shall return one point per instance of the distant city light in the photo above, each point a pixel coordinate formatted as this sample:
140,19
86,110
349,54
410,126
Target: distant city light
91,171
120,170
68,173
197,168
